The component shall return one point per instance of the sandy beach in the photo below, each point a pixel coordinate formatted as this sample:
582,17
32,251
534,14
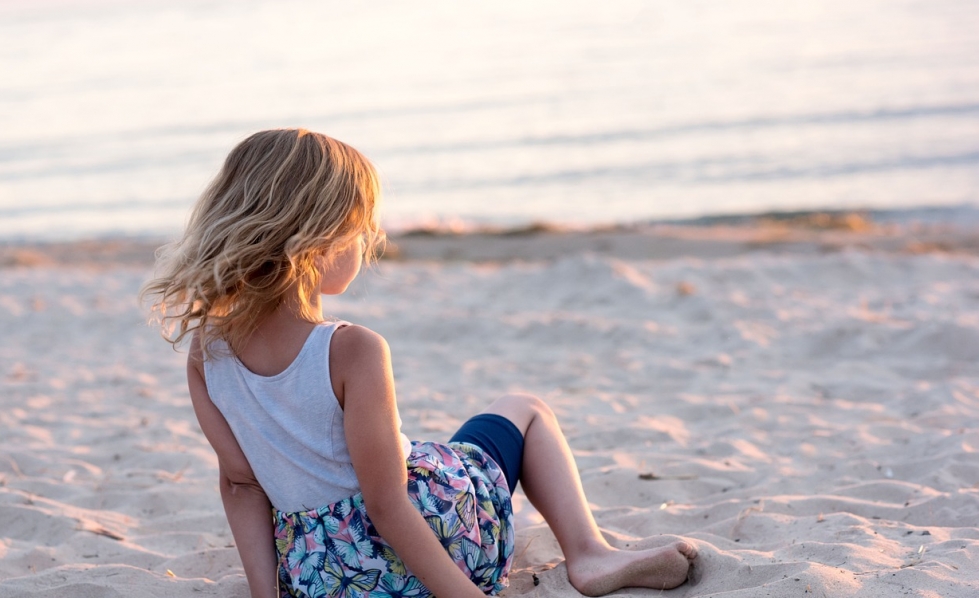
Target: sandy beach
800,397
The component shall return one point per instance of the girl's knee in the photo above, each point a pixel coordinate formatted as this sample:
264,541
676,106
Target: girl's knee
531,405
521,409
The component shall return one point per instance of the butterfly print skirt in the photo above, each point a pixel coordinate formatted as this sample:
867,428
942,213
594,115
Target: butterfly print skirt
462,494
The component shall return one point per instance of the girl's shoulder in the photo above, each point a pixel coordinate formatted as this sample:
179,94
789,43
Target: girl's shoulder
352,344
353,336
195,355
357,353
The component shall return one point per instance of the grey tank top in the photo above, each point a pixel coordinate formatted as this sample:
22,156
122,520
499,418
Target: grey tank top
290,425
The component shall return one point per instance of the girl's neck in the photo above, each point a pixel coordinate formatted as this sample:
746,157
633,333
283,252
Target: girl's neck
278,338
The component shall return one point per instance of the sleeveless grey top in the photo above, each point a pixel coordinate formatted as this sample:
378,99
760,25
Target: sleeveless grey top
290,425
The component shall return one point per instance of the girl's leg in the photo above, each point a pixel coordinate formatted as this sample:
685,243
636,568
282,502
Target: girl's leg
551,482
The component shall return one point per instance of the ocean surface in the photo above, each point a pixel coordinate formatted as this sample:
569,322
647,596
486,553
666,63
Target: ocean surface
114,115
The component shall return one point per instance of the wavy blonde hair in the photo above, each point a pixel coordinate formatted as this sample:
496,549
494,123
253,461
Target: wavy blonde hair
282,200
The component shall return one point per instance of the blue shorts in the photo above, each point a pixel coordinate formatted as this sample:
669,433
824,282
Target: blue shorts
499,438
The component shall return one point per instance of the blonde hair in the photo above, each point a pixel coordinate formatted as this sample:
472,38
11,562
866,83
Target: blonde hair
282,200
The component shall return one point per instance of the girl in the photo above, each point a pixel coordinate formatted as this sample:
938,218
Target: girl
302,415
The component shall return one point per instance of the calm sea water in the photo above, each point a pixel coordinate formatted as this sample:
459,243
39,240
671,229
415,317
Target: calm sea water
114,115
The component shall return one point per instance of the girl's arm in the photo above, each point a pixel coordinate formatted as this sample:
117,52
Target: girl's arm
245,503
360,365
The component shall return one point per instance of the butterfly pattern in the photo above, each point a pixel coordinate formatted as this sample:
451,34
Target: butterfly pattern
458,489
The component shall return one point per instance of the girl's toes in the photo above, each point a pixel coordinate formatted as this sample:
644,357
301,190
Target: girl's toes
687,549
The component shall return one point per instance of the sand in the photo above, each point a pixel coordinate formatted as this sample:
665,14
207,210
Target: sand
800,401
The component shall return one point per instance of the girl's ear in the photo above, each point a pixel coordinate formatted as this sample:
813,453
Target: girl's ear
322,264
323,259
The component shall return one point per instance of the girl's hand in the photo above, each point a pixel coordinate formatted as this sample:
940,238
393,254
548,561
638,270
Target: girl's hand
360,368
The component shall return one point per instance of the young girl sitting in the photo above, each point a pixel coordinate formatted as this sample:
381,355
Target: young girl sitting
302,414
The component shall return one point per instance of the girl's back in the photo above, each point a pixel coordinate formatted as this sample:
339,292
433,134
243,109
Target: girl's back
289,424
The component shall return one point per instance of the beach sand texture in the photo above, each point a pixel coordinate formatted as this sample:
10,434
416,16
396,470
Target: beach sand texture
807,413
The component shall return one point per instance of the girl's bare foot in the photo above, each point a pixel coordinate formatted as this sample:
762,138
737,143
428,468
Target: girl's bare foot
608,569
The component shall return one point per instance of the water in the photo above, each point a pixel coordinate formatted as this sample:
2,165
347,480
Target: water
114,116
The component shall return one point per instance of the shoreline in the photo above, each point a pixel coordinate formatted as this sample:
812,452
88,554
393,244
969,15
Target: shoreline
705,238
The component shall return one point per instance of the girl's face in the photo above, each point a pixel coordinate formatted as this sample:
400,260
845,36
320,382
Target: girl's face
339,270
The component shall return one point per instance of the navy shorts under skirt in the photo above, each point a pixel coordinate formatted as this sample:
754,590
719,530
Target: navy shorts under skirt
499,438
